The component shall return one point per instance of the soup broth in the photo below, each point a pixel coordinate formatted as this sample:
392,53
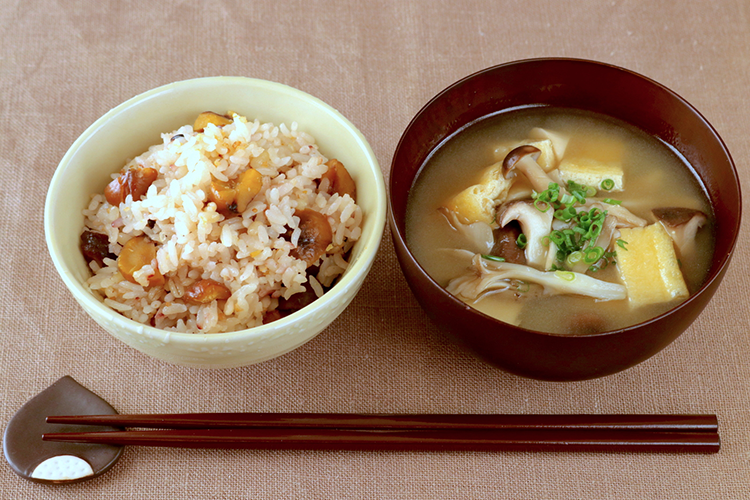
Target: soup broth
452,205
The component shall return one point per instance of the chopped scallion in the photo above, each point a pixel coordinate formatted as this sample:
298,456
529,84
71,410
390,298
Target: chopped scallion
521,241
607,184
565,275
493,258
574,258
593,254
541,205
567,199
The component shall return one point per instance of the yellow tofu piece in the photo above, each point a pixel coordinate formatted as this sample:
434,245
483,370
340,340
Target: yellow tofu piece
649,266
590,172
601,147
477,203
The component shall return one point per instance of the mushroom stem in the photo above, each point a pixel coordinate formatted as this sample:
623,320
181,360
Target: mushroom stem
523,159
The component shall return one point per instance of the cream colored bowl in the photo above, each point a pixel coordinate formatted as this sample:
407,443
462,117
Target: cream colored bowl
129,129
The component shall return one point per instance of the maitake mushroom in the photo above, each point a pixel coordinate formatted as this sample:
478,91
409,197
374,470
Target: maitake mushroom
491,277
682,224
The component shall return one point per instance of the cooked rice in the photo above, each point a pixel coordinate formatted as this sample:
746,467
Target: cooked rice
250,253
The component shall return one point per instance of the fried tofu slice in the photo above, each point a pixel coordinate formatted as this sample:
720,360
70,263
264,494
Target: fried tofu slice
477,203
602,147
590,172
649,267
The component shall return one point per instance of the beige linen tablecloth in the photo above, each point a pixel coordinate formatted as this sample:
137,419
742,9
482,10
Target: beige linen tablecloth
64,64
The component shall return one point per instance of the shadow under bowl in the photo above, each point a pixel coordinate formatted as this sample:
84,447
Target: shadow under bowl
583,85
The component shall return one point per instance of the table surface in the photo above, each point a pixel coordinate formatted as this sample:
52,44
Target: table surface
64,64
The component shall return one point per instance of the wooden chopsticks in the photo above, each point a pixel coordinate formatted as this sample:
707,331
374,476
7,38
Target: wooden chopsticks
427,432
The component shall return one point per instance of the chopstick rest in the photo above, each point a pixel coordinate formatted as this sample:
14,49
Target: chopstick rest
57,462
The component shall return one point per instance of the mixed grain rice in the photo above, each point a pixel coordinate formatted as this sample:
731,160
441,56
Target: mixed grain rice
249,253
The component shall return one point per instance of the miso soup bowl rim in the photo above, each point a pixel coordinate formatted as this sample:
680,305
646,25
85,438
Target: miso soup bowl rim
723,260
347,285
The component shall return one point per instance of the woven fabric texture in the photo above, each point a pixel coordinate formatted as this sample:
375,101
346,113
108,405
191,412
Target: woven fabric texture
64,64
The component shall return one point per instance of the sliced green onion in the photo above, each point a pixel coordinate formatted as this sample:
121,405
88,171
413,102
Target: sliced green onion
592,254
607,184
565,214
567,199
578,191
569,236
574,258
570,212
493,258
622,243
556,237
565,275
521,241
523,287
594,230
537,204
611,201
590,191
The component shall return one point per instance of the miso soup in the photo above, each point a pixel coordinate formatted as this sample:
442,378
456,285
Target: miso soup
561,221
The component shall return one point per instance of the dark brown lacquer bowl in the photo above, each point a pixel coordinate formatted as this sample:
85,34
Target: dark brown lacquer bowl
584,85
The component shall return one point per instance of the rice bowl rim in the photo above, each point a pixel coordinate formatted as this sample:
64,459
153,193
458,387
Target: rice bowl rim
374,218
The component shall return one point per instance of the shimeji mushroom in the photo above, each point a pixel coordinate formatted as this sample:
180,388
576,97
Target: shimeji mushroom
535,225
523,159
681,224
486,276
